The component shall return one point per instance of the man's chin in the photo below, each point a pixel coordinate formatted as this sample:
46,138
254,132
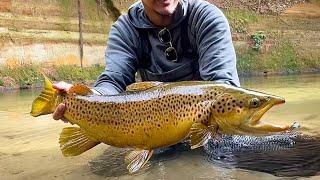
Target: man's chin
166,12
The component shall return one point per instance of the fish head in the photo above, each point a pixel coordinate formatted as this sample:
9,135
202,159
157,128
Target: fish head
239,111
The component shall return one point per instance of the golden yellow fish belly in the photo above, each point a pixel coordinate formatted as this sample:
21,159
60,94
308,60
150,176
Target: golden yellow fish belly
144,125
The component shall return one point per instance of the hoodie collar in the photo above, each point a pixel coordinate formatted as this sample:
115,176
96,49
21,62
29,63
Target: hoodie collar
139,19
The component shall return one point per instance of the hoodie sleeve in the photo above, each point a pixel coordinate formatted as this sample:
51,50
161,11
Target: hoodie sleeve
217,58
121,59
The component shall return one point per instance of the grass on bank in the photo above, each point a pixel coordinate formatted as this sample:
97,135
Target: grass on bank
29,75
281,59
240,20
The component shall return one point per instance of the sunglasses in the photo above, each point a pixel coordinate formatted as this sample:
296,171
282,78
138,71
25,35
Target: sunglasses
165,38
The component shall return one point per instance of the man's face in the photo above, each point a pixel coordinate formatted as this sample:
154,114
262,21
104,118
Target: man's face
162,7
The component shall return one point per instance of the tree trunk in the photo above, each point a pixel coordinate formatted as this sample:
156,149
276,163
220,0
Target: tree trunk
80,33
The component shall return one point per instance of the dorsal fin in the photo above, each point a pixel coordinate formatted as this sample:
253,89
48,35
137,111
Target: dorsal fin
80,89
141,86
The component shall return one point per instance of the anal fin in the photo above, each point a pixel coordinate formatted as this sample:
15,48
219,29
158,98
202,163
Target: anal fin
199,134
74,141
137,159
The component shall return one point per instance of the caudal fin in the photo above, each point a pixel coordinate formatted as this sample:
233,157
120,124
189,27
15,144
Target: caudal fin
45,102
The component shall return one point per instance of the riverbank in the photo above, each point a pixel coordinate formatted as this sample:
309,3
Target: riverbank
31,76
270,39
287,43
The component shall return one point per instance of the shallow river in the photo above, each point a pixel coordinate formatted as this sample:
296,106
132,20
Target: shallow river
29,146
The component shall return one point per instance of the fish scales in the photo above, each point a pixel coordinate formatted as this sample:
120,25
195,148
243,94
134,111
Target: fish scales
144,120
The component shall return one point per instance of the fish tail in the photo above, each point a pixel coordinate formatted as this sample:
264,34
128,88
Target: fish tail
45,103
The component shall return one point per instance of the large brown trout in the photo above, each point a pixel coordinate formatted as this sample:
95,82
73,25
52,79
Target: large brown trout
151,115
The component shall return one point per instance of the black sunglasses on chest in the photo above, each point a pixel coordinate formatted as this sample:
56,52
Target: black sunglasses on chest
165,38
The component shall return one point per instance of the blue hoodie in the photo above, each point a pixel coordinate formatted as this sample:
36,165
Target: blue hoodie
200,34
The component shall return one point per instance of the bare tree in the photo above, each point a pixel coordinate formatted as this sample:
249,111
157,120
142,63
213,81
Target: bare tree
80,32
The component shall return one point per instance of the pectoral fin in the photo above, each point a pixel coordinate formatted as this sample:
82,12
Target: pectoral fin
200,134
140,86
137,159
73,141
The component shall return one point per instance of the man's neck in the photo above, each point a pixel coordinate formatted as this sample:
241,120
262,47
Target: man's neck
158,19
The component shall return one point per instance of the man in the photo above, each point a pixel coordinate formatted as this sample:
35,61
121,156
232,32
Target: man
166,40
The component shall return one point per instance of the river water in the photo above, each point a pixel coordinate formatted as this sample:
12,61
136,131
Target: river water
29,146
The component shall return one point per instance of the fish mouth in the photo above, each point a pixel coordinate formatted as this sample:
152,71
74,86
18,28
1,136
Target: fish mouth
256,117
256,126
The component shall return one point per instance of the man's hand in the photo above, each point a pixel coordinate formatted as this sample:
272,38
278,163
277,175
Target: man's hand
58,113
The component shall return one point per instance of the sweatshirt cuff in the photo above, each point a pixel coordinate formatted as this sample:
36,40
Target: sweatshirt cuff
105,90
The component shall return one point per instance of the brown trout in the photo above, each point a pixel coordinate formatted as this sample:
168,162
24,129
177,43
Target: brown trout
151,115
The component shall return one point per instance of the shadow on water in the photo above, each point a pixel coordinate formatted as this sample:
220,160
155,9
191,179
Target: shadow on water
284,155
281,155
111,162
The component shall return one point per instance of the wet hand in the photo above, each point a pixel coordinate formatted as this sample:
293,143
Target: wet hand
63,87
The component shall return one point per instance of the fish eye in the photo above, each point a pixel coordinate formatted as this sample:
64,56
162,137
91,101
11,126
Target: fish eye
254,103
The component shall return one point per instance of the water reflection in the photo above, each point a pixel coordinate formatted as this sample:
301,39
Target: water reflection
111,162
284,155
281,155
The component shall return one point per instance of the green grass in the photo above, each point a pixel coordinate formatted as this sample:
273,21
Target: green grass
248,61
75,73
30,75
240,19
281,59
23,76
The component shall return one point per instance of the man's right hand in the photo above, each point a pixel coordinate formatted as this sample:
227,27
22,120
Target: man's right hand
58,113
